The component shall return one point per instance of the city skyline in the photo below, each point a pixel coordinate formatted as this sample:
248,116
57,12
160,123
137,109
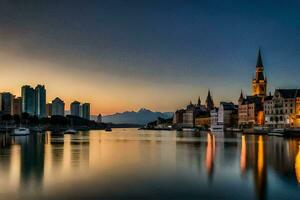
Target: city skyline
90,52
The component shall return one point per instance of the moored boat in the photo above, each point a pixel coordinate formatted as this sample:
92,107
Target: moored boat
108,129
70,131
20,131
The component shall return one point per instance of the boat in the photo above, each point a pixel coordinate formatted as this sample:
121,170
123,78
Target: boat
189,129
217,128
20,131
70,131
108,129
277,132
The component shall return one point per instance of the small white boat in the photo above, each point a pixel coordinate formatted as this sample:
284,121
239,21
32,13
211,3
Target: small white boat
70,131
20,131
188,129
217,128
108,129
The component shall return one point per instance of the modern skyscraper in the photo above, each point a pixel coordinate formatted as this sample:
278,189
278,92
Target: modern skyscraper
6,100
28,100
40,101
58,107
17,106
85,111
75,108
259,83
48,109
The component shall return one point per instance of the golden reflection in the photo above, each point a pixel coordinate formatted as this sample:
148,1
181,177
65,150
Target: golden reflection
67,155
210,152
48,157
243,160
297,165
260,157
15,165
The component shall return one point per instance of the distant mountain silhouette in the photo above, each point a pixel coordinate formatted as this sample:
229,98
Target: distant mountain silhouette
143,116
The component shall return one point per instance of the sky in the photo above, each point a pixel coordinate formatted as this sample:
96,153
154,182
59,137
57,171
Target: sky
125,55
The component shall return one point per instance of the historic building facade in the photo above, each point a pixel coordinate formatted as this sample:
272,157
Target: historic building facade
283,108
250,112
194,114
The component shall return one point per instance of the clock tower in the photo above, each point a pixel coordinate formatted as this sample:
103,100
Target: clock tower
259,83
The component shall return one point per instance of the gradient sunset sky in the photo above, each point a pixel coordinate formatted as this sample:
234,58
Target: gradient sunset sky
124,55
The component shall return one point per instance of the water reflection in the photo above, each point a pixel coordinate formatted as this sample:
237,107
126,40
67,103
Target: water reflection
134,163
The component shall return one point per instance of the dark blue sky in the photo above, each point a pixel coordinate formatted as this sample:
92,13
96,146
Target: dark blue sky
179,47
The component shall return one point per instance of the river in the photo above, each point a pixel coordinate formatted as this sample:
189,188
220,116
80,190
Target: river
137,164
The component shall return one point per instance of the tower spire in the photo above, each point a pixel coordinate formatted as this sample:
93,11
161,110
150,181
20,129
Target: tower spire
259,60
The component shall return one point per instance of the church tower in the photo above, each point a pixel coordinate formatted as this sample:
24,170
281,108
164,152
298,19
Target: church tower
259,83
209,102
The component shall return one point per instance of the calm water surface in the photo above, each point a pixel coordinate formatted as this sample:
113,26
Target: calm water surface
133,164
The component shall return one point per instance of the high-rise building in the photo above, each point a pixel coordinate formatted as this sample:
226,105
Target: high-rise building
6,100
259,83
85,111
58,107
75,108
17,106
28,100
48,109
40,101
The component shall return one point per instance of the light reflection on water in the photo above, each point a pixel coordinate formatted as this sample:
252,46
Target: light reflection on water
128,163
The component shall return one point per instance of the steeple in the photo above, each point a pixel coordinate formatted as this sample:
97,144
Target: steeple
259,82
209,101
199,101
241,99
259,60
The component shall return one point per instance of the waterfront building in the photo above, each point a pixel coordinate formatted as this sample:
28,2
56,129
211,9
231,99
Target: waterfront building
203,120
28,99
40,101
85,111
259,83
58,107
48,109
209,102
250,109
226,114
99,118
188,118
214,117
75,108
178,117
17,106
6,100
283,108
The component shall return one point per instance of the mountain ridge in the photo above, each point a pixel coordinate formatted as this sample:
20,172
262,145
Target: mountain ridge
142,116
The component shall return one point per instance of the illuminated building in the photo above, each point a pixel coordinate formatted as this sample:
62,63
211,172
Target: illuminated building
282,110
259,83
250,111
